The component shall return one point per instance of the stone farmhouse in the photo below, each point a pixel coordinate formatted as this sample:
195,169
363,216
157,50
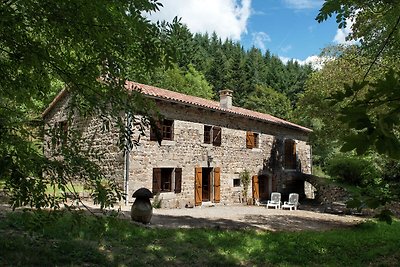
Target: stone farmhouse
206,146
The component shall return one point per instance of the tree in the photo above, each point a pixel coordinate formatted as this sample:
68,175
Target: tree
88,47
267,100
374,110
189,82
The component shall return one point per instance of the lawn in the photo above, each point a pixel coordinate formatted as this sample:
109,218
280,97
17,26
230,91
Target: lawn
75,239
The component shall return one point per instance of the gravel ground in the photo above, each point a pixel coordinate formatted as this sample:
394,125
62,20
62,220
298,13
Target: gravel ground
248,217
239,217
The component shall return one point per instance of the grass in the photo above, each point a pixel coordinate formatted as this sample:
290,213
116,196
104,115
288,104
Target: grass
75,239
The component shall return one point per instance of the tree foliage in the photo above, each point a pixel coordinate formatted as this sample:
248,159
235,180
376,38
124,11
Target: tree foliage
190,82
267,100
373,110
88,47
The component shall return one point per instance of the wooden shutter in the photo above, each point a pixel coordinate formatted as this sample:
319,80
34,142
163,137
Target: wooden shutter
198,186
217,185
178,180
249,139
156,180
255,186
217,136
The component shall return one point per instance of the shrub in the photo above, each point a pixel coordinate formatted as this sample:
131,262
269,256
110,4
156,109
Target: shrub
352,170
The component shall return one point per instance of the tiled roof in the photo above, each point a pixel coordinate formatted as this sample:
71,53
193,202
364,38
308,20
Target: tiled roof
159,93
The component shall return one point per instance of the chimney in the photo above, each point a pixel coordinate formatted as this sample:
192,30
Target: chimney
225,98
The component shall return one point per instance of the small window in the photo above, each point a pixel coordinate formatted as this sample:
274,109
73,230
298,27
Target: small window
252,140
207,134
165,130
212,134
236,182
290,154
167,179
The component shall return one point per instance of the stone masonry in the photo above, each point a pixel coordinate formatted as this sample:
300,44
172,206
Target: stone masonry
187,150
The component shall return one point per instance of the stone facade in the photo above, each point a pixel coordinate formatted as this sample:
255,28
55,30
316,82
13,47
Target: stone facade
188,151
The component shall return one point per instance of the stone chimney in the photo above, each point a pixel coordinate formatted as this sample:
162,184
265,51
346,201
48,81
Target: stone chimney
225,98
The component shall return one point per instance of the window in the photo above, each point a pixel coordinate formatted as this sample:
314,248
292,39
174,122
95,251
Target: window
207,134
164,130
166,179
236,182
212,134
252,140
290,154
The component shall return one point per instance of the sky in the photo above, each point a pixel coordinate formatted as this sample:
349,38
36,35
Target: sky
287,28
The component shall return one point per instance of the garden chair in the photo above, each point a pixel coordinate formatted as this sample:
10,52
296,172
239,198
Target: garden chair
292,203
275,201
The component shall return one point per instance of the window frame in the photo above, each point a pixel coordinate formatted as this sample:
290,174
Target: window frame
166,129
168,175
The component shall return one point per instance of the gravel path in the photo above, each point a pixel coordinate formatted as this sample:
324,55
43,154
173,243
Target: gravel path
248,217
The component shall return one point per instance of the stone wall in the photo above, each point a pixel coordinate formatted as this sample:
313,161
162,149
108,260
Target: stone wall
188,150
95,135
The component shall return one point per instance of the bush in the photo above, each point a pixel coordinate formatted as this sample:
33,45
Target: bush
352,170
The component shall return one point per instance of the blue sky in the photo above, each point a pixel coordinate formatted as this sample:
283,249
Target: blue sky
285,27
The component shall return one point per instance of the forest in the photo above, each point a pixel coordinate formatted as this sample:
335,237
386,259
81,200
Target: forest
352,103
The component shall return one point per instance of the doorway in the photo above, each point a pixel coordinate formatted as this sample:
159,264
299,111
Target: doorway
206,184
264,186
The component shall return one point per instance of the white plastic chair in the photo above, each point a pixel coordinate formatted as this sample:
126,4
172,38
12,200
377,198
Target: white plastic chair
275,201
292,203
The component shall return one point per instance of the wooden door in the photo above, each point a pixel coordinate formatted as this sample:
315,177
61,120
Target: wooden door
217,185
198,186
255,186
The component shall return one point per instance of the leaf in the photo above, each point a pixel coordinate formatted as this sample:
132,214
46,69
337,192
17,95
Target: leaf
385,216
354,203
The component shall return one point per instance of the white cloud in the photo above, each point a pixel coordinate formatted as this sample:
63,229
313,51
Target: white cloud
286,48
316,62
341,34
228,18
259,40
303,4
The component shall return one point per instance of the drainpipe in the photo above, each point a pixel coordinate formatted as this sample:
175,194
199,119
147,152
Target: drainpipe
126,155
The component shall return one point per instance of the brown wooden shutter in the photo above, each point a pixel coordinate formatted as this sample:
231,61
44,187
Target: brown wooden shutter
249,139
217,185
178,180
256,190
217,136
198,186
156,180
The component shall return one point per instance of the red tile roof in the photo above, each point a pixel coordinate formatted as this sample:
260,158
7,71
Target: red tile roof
171,96
159,93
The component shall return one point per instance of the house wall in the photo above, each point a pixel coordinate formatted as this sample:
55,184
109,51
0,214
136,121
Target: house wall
188,151
97,138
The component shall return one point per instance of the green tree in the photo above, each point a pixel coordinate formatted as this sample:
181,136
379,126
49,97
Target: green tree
373,112
267,100
189,82
88,47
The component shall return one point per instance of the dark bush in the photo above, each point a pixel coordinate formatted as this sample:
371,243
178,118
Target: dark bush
352,170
